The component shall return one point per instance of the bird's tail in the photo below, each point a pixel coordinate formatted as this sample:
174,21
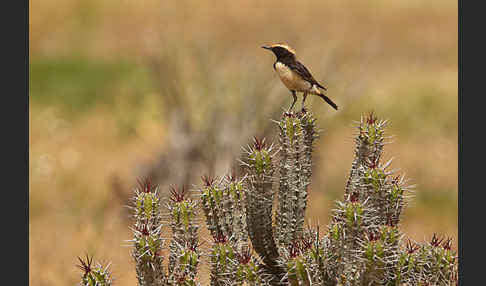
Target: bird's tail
328,100
321,86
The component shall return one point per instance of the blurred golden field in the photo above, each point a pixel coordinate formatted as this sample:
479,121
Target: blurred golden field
111,80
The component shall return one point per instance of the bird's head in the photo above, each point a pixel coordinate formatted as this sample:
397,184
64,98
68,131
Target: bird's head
281,50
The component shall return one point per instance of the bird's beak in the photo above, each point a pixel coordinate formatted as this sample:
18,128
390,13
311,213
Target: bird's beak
265,47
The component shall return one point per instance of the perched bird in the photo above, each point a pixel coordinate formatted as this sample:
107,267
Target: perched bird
295,76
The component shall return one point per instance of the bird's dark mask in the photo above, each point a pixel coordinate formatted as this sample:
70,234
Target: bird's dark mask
279,52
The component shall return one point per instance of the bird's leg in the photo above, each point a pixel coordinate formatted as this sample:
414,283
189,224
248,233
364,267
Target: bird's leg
295,99
303,100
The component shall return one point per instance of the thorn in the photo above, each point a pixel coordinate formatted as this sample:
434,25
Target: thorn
258,144
177,195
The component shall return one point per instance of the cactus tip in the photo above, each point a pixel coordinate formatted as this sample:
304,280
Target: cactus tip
85,266
412,247
258,144
208,180
177,195
371,119
435,241
146,185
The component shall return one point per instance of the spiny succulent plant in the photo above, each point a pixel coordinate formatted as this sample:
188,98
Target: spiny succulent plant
94,275
258,228
147,239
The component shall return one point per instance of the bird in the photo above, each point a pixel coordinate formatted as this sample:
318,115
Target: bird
295,76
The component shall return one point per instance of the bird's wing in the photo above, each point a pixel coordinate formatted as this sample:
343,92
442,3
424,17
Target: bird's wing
303,72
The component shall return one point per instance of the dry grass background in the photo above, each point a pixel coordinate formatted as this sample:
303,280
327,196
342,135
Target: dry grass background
96,108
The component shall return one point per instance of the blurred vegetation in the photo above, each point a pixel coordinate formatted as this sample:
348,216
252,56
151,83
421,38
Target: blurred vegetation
113,85
79,84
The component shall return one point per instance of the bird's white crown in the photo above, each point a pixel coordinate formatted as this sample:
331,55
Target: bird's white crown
285,46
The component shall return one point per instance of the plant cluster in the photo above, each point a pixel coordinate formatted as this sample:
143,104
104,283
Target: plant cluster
258,228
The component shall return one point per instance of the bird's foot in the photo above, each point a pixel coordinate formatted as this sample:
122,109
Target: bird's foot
302,112
289,113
